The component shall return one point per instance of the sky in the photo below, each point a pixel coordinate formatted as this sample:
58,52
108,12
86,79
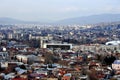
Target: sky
53,10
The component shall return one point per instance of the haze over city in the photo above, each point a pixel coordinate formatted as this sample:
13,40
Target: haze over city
54,10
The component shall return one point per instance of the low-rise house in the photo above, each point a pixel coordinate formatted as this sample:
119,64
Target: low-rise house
29,59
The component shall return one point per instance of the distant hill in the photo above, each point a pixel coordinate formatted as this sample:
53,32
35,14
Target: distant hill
6,20
93,19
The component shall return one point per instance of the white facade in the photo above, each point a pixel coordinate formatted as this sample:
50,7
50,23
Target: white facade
27,58
4,64
45,45
113,43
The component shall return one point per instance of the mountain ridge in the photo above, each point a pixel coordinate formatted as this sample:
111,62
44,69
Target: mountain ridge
93,19
7,20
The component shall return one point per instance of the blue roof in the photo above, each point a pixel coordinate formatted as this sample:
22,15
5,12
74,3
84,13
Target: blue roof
116,62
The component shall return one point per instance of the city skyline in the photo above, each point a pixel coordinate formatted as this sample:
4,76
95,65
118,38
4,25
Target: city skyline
53,10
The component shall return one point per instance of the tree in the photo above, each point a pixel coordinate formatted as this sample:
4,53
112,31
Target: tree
109,59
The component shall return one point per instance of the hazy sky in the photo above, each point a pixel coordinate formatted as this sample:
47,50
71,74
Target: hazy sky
52,10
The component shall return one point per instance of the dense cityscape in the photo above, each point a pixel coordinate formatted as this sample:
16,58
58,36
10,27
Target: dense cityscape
59,39
57,52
